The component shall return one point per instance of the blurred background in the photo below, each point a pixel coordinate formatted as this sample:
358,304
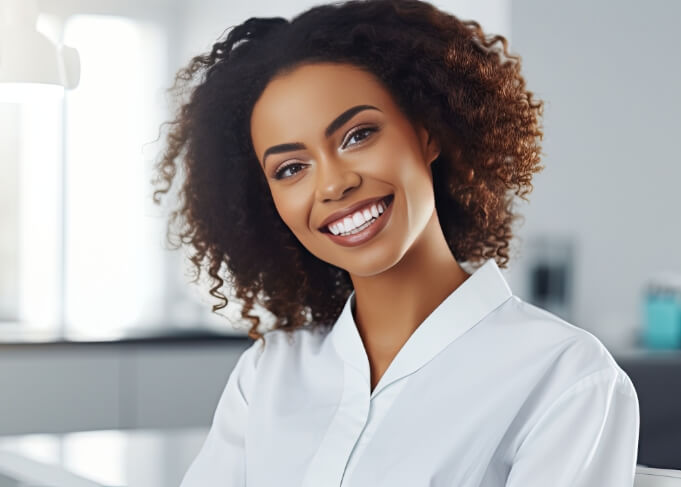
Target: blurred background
105,345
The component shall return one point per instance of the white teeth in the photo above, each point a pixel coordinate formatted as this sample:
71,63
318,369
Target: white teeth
360,228
348,224
357,221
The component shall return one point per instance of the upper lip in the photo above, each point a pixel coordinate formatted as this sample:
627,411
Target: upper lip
337,215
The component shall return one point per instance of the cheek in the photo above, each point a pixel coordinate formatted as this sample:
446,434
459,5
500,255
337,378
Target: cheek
403,171
292,210
399,159
386,165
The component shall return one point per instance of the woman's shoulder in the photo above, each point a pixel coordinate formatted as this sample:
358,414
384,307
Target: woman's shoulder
553,367
538,339
542,328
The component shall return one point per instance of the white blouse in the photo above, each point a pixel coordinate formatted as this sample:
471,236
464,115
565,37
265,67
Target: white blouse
488,391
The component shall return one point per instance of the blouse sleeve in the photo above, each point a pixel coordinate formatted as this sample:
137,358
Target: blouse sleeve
587,437
221,460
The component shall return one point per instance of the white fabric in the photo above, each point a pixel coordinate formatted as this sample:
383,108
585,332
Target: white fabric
489,391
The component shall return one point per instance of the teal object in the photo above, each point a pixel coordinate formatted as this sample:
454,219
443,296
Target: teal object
662,311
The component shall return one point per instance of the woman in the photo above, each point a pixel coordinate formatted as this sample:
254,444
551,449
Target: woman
341,166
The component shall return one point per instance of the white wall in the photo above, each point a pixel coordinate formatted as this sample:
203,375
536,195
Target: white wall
610,73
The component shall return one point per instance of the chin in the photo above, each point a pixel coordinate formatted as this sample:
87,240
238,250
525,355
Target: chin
368,265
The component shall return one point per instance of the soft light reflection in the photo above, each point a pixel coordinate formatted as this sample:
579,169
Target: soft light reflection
134,458
44,448
98,456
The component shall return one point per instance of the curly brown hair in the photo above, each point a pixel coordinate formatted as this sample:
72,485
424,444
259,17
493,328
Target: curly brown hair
442,72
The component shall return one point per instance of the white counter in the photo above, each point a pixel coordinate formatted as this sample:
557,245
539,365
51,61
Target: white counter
132,458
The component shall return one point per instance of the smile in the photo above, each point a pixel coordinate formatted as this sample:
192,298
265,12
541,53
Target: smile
365,231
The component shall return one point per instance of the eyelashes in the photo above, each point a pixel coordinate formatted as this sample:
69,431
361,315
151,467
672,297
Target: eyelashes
368,130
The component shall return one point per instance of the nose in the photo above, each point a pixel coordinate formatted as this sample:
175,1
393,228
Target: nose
334,179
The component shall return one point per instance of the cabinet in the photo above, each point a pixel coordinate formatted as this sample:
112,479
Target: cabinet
62,387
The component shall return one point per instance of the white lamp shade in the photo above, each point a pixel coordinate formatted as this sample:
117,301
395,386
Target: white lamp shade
27,56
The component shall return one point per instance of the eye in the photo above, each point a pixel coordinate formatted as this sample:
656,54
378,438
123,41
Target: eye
364,130
280,173
283,169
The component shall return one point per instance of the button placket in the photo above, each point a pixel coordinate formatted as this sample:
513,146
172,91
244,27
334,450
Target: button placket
329,463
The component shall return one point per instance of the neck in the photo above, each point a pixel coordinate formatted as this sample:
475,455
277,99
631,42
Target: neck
391,305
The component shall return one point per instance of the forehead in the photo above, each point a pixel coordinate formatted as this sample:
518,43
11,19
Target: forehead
302,102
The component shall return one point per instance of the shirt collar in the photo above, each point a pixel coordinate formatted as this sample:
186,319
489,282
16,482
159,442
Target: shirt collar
475,298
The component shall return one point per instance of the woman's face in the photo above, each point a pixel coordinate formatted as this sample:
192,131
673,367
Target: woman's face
329,136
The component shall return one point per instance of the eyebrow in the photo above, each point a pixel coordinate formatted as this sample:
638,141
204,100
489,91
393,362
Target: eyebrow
328,132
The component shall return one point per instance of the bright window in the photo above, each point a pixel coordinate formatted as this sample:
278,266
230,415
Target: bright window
81,242
113,254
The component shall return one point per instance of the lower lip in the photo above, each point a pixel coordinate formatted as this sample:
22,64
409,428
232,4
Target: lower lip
366,234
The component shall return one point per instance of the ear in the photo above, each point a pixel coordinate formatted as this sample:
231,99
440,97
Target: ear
429,146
